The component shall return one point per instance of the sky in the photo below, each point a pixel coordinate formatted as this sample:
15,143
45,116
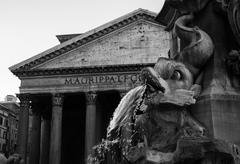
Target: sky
29,27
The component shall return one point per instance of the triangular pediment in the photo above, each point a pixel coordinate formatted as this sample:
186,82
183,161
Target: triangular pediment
131,39
141,42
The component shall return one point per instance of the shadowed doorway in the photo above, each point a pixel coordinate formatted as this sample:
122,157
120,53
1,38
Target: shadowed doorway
73,129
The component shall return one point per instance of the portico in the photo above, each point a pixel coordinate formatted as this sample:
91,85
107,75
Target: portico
60,119
69,92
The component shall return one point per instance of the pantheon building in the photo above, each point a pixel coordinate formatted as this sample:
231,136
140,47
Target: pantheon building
68,93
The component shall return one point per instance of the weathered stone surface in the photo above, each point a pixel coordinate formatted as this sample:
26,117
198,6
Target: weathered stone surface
84,83
217,106
164,131
151,119
200,150
220,114
56,129
141,42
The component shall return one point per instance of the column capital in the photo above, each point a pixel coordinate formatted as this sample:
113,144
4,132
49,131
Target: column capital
24,100
57,99
24,96
91,98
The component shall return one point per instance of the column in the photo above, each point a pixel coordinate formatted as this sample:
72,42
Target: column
90,135
34,156
56,129
23,126
45,137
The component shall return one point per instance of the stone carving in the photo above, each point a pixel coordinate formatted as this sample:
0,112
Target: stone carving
151,119
118,48
233,62
91,98
152,123
230,7
57,99
199,46
24,101
233,11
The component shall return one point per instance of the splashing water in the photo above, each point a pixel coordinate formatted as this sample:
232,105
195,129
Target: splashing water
130,103
126,110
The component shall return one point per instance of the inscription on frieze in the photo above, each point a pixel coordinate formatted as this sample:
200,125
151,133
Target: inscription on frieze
103,79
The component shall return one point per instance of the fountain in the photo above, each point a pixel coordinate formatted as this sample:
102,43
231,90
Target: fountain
157,122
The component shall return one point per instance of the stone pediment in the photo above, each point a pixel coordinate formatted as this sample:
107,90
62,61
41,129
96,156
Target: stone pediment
140,43
135,38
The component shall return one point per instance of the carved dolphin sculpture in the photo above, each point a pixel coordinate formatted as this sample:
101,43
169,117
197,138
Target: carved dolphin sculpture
168,82
199,48
157,108
143,116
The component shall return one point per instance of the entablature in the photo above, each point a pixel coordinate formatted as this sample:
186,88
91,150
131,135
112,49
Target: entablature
121,77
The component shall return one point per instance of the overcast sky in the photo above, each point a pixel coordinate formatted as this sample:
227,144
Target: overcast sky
29,27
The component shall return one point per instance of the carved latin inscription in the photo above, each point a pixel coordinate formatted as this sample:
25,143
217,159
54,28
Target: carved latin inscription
103,79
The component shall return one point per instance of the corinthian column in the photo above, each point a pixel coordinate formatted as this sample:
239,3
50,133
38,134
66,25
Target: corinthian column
45,137
90,135
35,134
56,129
23,126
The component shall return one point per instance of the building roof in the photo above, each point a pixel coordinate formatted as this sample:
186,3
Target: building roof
66,37
12,107
3,107
82,39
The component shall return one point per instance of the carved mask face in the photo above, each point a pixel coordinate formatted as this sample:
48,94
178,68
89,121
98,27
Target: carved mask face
187,5
166,81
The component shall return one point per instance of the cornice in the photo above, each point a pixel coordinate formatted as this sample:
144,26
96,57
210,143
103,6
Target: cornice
26,67
83,70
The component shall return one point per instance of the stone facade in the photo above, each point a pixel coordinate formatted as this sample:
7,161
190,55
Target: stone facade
72,89
9,110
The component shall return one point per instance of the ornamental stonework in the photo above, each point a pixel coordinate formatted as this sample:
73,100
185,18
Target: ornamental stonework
24,100
91,98
57,99
128,46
